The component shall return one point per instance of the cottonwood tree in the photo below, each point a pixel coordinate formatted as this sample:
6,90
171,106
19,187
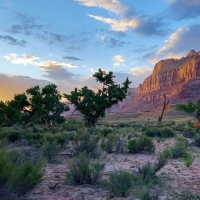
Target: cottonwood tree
36,104
190,107
93,104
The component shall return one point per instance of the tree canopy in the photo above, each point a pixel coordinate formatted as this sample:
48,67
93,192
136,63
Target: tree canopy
93,104
36,104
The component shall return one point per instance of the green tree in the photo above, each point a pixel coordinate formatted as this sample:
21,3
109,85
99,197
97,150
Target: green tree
36,104
190,107
92,104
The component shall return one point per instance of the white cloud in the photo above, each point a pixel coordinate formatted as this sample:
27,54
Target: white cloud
25,59
30,60
144,70
113,6
118,60
117,25
50,64
179,44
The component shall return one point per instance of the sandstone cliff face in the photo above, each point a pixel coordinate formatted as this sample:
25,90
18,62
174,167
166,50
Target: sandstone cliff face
171,72
180,78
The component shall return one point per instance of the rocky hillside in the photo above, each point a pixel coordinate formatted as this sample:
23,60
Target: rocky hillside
180,78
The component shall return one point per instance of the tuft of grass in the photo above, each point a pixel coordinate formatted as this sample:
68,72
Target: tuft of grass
188,159
50,150
109,143
146,174
119,183
86,143
83,171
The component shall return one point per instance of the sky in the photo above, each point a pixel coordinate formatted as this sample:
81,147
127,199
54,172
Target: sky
66,41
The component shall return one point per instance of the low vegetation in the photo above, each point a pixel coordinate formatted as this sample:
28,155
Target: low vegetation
142,144
18,175
119,183
83,171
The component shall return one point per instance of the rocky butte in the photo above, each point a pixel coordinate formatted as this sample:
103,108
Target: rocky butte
180,78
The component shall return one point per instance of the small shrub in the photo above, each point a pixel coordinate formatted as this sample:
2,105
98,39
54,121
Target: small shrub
147,173
167,153
109,143
82,171
87,144
14,136
145,144
167,132
188,159
164,132
50,150
179,150
119,183
10,136
180,127
18,175
60,139
153,132
105,131
142,144
132,146
26,177
189,133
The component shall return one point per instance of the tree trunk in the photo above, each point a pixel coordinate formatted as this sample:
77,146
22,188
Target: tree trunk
163,109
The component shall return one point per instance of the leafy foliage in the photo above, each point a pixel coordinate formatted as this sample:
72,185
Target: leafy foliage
94,104
190,107
38,104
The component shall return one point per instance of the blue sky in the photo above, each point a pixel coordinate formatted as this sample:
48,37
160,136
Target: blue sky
66,41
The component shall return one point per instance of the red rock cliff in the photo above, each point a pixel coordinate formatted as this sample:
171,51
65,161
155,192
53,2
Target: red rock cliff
180,78
171,72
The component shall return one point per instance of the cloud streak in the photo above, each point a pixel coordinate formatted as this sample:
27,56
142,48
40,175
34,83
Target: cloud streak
70,58
10,40
117,25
